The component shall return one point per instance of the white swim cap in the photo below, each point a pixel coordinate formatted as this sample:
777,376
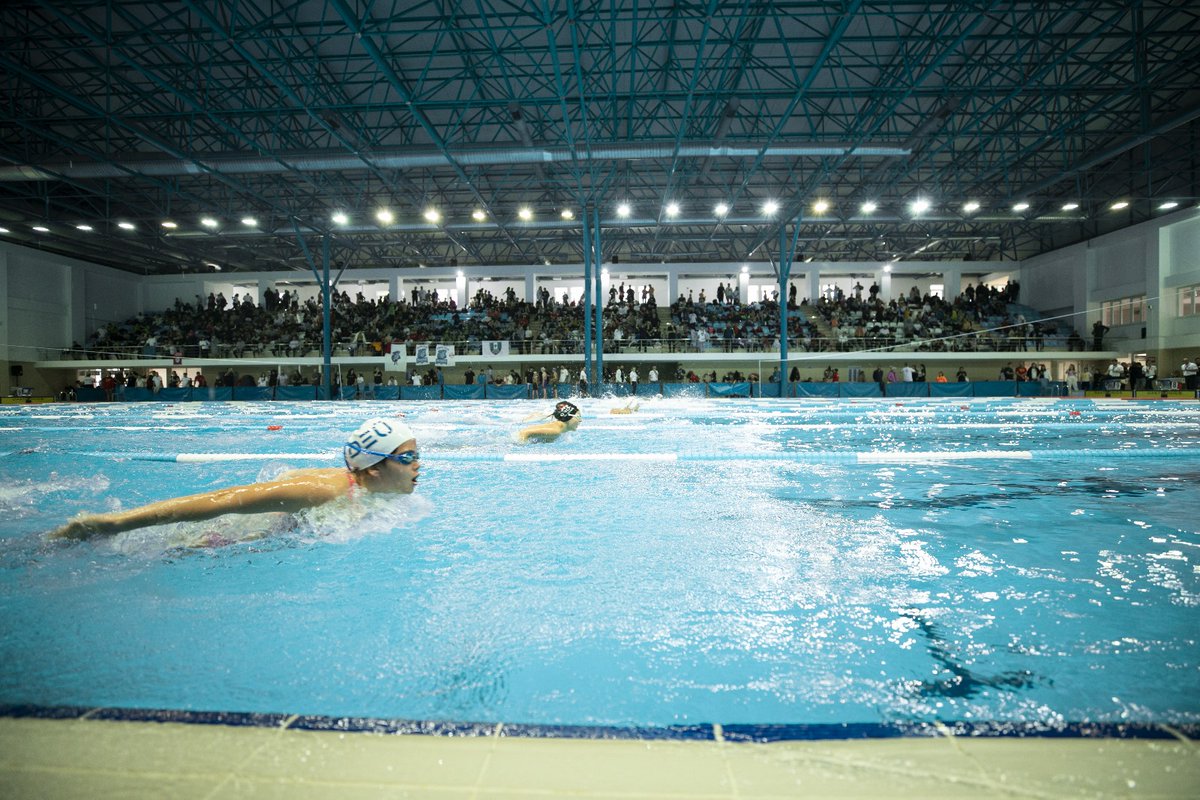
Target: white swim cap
376,438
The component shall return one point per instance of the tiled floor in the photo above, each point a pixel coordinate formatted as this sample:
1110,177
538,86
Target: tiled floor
96,759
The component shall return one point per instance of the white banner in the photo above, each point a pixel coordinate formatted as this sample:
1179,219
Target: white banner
443,355
420,355
494,348
395,360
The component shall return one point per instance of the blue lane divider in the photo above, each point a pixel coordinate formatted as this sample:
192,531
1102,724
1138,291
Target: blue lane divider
798,457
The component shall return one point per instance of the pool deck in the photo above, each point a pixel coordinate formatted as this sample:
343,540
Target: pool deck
69,758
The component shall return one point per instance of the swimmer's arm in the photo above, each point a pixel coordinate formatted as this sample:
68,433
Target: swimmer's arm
288,494
553,428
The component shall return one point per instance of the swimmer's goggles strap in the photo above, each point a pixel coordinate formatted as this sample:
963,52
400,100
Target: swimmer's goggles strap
406,457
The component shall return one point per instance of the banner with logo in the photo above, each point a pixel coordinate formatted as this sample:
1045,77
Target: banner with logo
420,355
494,348
443,355
395,361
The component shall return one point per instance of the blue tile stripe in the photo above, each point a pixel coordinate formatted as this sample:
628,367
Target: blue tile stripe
737,733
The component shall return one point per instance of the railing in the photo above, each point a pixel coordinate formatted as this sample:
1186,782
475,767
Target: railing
964,343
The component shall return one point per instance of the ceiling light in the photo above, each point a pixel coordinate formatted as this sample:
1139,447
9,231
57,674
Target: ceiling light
624,210
869,207
770,207
1070,206
745,268
1117,206
525,213
126,226
1168,205
4,230
340,218
720,209
41,229
385,216
432,215
1021,206
208,222
568,214
970,207
821,206
919,206
672,209
479,215
84,227
249,222
169,224
887,267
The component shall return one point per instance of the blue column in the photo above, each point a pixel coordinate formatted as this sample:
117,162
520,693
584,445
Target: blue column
587,295
785,271
598,274
326,344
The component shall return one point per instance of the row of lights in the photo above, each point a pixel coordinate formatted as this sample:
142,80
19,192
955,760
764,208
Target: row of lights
624,210
207,222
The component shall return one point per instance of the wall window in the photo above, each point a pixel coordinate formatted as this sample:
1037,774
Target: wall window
1125,311
1189,301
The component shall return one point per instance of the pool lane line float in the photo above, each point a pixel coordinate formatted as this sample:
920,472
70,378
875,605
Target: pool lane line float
274,427
852,457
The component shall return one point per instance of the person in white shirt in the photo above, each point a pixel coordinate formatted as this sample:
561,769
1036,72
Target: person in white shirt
633,378
1188,369
619,376
653,376
908,373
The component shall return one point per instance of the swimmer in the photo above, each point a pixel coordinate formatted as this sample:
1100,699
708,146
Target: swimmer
381,456
628,408
565,417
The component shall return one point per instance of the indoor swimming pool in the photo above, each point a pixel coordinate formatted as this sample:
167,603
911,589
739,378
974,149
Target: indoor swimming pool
1022,563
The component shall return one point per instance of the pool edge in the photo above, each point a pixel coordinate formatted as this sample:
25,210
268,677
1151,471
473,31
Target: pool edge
732,732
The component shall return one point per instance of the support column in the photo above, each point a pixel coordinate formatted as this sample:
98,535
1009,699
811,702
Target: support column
814,284
785,274
530,288
884,278
598,261
460,290
588,266
952,283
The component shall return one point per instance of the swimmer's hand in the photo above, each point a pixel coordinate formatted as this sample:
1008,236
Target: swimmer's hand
86,526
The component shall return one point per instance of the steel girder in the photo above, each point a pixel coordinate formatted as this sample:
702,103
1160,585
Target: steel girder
287,111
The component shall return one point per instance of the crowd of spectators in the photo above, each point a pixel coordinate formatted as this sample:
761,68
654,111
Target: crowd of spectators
978,319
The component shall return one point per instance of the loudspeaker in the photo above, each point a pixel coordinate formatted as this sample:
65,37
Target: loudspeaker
16,370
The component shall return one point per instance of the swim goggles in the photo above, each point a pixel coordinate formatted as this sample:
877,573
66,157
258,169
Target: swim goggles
405,457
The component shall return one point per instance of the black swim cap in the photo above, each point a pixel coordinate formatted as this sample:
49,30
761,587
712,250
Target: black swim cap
563,411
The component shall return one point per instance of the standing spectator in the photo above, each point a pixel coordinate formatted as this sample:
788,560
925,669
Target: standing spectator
1098,331
1188,370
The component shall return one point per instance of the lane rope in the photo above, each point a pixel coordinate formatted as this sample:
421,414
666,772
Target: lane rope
797,457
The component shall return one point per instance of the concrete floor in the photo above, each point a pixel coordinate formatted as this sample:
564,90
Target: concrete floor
41,758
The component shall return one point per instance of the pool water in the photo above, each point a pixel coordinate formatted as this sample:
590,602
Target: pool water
766,572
